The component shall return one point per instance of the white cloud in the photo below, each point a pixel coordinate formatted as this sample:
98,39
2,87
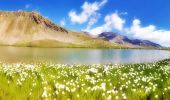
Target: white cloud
115,21
27,6
92,21
149,32
62,22
112,21
88,10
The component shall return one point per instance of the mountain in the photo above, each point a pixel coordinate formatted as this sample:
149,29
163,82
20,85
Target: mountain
120,39
23,28
30,29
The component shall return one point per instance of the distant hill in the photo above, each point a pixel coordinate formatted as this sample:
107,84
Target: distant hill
120,39
23,28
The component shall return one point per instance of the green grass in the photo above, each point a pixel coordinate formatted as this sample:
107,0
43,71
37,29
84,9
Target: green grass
46,43
81,82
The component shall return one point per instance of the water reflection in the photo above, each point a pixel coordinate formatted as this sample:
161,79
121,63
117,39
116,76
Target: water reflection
79,55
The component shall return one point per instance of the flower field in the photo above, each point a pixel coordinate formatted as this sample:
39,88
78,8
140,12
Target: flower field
81,82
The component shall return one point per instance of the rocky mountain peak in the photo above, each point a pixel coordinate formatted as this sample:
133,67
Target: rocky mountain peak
35,17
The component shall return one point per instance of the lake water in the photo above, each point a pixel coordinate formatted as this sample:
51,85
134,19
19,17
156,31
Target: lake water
80,55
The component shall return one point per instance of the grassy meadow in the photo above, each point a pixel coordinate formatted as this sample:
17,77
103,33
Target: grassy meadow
80,82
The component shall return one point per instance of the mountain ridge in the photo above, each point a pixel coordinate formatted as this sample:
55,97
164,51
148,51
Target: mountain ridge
120,39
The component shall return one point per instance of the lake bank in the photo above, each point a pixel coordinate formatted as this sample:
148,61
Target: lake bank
61,81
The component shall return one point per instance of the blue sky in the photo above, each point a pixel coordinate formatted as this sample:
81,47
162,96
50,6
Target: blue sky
143,19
